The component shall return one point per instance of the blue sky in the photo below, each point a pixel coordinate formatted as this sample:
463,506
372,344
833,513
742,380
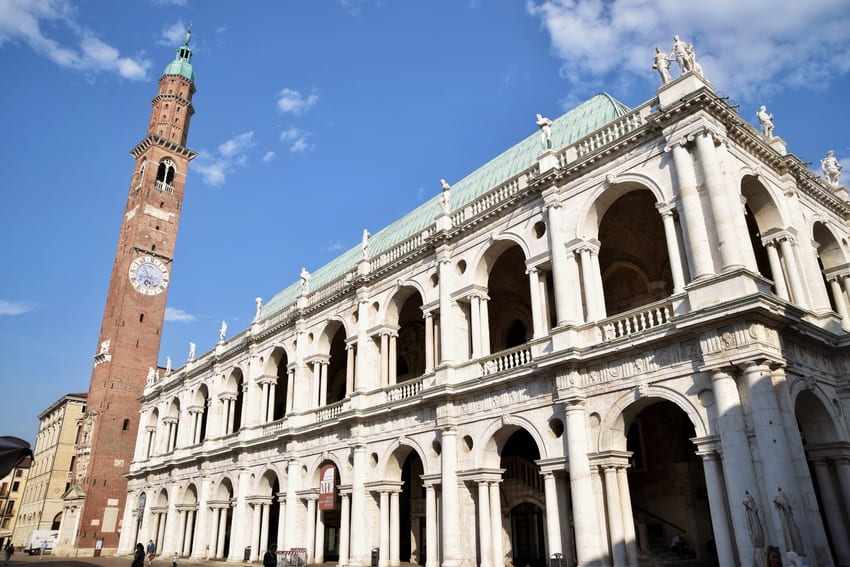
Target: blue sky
315,120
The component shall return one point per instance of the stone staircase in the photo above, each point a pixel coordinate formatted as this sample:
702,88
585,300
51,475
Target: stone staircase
660,555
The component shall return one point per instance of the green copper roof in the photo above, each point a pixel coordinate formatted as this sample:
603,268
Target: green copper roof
180,65
582,120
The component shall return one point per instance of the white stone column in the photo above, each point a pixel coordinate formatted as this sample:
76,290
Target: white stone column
222,530
485,326
181,531
239,525
189,533
359,555
264,530
545,304
722,215
615,516
564,272
323,385
320,537
776,270
717,506
292,505
674,253
553,527
450,525
840,304
485,549
498,554
270,395
344,528
281,520
432,551
598,288
384,530
429,342
349,369
447,327
475,324
385,359
310,536
203,532
231,414
695,231
536,311
265,404
290,389
628,516
845,280
162,523
393,359
587,283
737,460
581,486
253,541
842,471
830,502
395,560
797,291
215,545
565,508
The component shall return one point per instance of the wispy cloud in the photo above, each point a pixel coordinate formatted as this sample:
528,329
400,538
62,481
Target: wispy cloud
22,21
171,2
178,315
173,35
268,157
14,307
214,166
335,246
290,100
296,138
748,49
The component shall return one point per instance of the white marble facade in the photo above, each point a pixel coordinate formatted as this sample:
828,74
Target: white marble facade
642,335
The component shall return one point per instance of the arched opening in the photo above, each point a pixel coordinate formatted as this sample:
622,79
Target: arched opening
762,217
410,354
510,318
57,521
281,362
667,483
202,398
826,459
329,508
831,262
222,512
188,519
412,521
633,257
337,367
165,172
523,499
274,516
235,387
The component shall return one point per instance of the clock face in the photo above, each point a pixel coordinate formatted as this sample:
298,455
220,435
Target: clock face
148,275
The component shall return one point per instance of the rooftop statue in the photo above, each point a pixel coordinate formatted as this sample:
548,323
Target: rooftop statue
167,365
693,57
681,55
831,169
259,314
662,65
545,126
364,243
305,280
191,351
766,121
222,331
446,197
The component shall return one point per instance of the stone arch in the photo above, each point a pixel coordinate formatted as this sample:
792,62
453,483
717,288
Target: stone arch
817,418
161,500
314,468
497,434
396,453
224,488
404,311
487,256
265,481
601,199
279,352
614,424
190,495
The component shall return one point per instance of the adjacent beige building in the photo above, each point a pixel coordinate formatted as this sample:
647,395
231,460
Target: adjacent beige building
53,461
12,488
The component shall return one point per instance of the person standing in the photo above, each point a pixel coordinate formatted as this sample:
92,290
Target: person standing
8,552
174,559
270,557
138,556
151,552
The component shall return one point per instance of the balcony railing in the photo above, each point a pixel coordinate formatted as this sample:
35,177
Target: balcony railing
637,320
506,360
403,390
331,411
164,187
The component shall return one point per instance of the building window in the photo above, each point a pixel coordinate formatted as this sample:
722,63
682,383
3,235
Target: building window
15,486
126,425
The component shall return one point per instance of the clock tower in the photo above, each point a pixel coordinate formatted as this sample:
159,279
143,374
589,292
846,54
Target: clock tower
128,347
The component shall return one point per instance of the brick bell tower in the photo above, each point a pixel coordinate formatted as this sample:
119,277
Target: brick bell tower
128,347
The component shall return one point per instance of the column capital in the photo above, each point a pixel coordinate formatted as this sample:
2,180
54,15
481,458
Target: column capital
708,448
679,141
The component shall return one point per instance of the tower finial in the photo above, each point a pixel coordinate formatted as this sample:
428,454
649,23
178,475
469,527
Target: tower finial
188,34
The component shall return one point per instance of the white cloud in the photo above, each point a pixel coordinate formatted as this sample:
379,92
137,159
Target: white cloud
171,2
21,21
14,307
268,157
290,100
173,35
748,49
335,246
178,315
297,137
233,153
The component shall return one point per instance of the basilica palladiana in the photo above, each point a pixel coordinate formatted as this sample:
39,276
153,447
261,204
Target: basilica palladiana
629,330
